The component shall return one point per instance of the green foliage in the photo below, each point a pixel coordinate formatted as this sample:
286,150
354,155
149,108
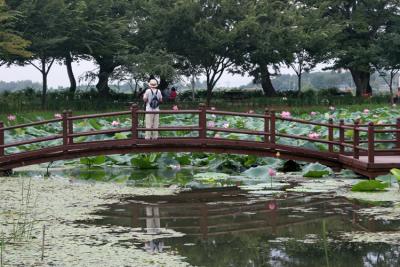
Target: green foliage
316,170
145,161
93,161
369,186
396,173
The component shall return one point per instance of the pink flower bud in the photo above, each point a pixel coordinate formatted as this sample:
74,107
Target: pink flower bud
175,107
58,116
115,123
271,172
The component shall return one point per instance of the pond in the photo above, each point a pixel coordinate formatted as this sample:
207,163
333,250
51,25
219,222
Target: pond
215,219
229,227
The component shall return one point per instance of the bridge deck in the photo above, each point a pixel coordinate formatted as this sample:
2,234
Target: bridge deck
362,153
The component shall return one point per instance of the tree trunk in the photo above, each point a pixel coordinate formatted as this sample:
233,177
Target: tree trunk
266,82
163,85
299,76
72,80
44,82
209,93
361,80
193,83
105,72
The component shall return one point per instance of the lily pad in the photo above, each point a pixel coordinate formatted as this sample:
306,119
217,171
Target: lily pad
316,170
369,186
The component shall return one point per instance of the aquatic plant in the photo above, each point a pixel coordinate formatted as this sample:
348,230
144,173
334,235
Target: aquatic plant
316,170
369,186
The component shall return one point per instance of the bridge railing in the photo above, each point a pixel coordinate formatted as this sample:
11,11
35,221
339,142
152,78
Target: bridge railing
365,138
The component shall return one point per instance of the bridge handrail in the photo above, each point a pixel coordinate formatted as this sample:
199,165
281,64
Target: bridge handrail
269,132
13,127
31,141
92,116
239,114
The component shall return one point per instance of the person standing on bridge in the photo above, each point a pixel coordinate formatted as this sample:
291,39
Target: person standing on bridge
152,97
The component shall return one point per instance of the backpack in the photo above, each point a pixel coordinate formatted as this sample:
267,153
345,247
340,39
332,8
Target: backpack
154,102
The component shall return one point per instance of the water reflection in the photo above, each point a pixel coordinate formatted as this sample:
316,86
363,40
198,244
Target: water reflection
153,228
227,227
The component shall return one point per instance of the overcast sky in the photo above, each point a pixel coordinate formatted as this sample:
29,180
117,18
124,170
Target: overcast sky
58,75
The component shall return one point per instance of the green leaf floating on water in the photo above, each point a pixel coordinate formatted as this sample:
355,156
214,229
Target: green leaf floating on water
396,173
316,170
260,172
210,177
389,179
369,186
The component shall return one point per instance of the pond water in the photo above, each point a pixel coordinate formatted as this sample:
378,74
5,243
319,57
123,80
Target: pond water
229,227
222,224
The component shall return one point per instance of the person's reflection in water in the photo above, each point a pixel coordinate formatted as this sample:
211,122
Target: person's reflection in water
153,228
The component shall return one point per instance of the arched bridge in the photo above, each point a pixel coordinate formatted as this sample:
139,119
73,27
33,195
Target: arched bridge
361,153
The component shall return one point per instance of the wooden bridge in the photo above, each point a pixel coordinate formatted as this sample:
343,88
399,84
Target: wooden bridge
360,153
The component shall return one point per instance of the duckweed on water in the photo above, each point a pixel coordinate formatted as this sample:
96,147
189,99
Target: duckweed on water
60,203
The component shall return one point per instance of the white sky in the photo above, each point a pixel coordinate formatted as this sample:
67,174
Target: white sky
58,75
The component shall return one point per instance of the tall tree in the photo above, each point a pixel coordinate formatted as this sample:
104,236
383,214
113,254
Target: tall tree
43,25
309,37
111,31
202,32
387,61
262,36
11,43
355,45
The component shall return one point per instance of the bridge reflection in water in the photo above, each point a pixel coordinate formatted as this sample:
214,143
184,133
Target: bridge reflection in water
229,223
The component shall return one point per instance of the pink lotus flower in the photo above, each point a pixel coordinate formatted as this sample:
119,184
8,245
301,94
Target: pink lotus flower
271,172
211,124
313,113
286,114
225,125
212,108
250,111
332,108
272,205
217,136
58,116
11,117
366,111
115,123
314,135
175,107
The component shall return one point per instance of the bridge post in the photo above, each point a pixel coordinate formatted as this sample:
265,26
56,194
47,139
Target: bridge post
341,136
330,135
70,128
1,138
135,121
266,125
356,140
272,127
371,143
65,130
202,121
398,133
